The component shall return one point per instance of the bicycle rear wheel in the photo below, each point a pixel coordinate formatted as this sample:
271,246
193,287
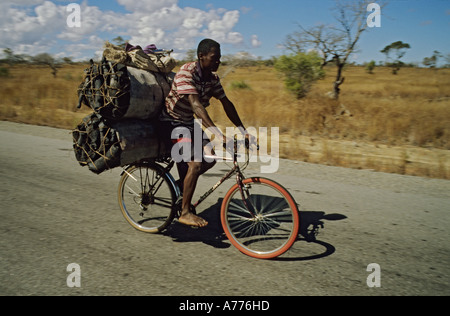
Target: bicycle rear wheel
262,221
147,197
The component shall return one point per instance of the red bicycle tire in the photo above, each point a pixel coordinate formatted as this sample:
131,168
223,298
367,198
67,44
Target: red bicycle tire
291,203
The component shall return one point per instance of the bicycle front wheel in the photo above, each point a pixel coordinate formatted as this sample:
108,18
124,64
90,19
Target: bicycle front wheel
147,198
260,219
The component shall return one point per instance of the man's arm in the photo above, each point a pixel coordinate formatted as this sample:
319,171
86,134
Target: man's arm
202,114
231,112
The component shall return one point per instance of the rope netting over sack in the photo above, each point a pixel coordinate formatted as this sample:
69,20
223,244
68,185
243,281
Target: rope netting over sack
101,144
116,91
126,96
121,87
106,89
96,145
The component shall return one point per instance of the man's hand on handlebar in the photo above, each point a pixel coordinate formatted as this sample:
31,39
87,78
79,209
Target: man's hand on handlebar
251,140
229,143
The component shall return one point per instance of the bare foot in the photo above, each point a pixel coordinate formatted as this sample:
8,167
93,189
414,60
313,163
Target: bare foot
192,220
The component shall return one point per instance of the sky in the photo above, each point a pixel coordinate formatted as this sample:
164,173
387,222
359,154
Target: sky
258,27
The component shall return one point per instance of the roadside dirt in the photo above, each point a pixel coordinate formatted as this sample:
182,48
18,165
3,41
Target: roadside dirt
407,160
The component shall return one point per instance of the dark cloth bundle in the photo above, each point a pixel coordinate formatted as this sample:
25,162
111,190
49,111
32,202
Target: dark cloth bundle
105,89
102,145
116,91
96,145
126,101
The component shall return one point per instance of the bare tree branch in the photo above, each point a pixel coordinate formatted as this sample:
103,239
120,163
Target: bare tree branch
335,43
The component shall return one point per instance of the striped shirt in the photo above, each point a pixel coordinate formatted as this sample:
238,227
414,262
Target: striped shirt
188,81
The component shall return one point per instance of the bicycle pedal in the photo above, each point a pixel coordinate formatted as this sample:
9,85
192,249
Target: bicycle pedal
178,207
314,231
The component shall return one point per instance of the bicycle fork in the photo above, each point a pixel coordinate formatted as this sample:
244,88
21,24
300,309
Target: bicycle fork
245,195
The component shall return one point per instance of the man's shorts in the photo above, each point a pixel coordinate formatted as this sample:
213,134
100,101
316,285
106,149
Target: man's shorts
187,141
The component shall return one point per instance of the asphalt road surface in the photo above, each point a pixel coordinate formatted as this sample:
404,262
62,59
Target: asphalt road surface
54,213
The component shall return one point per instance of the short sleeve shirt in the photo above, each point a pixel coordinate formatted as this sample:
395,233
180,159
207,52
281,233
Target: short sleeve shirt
189,81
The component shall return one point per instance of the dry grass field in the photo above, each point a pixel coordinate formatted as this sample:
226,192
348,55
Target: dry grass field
394,123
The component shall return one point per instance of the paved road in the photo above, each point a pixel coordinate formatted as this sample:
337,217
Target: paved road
54,213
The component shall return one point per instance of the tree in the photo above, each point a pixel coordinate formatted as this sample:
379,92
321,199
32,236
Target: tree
240,59
432,61
399,50
191,55
9,56
335,43
300,71
447,61
13,59
119,41
48,60
370,66
67,60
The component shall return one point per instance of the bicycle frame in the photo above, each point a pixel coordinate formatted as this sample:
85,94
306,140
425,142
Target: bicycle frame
255,213
239,176
235,170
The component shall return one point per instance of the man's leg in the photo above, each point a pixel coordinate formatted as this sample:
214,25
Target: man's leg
190,182
190,176
182,168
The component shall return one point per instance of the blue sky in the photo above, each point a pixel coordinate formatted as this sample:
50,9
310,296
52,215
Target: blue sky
255,26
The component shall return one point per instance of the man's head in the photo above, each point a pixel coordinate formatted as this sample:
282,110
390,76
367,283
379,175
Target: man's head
208,53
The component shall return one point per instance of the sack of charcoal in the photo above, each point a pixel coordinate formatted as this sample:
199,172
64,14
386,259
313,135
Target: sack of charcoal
138,140
101,144
96,144
116,91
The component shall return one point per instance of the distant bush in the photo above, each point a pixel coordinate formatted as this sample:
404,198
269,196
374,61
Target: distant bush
4,72
240,85
370,67
300,71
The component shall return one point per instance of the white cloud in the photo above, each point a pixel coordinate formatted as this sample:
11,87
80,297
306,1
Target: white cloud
255,41
46,12
221,29
146,6
28,26
93,21
23,2
21,28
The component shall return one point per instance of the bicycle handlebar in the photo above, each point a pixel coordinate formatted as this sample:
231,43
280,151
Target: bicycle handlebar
234,150
236,143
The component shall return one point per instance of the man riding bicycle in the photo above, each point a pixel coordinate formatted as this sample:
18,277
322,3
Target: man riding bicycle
193,87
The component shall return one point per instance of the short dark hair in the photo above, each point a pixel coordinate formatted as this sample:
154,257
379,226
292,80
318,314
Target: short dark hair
206,45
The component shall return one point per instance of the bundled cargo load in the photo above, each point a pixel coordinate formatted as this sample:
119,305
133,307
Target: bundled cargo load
116,91
103,145
139,139
149,58
126,91
95,144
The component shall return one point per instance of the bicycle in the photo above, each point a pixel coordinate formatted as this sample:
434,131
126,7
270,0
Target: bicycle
258,215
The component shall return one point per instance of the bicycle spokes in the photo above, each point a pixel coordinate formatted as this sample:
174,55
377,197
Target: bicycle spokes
261,220
265,213
146,197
